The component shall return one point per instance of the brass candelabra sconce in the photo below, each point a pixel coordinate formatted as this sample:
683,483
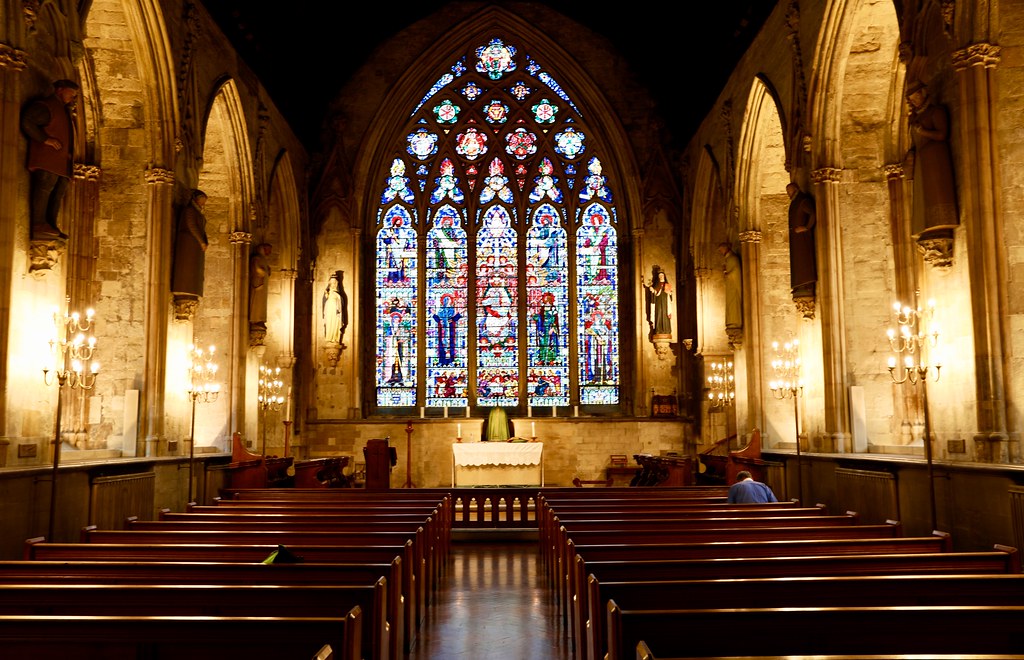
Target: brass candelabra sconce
201,388
269,396
71,347
917,340
721,384
788,385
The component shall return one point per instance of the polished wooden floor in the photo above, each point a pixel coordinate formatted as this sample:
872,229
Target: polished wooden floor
493,604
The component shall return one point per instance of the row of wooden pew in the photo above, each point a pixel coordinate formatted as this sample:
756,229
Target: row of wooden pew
360,573
682,573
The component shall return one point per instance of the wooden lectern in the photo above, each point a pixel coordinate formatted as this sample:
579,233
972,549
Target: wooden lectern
380,458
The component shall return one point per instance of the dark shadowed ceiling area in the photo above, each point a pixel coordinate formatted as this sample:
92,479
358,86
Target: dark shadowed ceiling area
682,50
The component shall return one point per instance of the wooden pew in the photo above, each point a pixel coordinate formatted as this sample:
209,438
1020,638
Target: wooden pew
431,554
36,549
329,601
210,572
1002,560
643,652
926,630
284,537
58,637
550,512
844,591
785,528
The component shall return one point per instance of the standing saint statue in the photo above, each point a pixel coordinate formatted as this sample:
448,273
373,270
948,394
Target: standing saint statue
190,244
733,287
803,269
930,164
335,308
659,307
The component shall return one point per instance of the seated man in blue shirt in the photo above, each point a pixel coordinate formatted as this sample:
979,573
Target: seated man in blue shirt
747,490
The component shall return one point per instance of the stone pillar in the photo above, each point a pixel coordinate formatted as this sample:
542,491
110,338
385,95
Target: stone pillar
12,63
831,295
158,286
749,411
240,242
988,269
640,387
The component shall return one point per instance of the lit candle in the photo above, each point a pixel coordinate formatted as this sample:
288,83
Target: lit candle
458,430
533,429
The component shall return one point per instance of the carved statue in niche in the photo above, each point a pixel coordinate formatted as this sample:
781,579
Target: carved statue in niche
190,244
803,268
259,275
334,308
930,163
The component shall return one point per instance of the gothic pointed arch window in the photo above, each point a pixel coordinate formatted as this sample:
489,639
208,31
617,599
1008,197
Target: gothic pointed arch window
496,272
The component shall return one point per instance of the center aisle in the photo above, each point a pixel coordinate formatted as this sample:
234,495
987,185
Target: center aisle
493,604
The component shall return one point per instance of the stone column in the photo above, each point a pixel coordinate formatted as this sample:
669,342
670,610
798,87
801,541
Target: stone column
988,266
240,242
158,287
749,411
831,295
12,63
355,323
640,387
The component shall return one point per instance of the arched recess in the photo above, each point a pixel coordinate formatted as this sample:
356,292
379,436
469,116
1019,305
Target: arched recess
126,77
709,215
769,314
222,315
283,233
617,157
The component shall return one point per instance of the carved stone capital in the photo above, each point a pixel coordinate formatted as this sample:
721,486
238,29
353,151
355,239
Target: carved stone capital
936,251
804,305
43,255
332,352
12,58
87,172
637,233
750,236
185,307
257,334
240,238
893,171
986,55
735,337
159,175
289,273
826,175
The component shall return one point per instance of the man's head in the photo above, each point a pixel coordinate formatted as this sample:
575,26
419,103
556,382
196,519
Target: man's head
743,474
65,90
724,249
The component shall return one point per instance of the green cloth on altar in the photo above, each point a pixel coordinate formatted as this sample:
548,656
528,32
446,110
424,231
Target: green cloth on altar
497,428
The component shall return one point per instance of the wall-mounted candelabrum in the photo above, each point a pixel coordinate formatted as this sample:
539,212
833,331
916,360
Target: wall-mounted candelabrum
916,340
269,396
201,388
71,347
787,385
721,384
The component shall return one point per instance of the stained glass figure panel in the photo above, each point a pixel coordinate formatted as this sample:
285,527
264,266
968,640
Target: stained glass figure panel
547,293
396,279
447,274
597,309
497,309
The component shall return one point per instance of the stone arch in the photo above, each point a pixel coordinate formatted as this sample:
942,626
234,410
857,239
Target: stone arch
226,177
764,251
284,221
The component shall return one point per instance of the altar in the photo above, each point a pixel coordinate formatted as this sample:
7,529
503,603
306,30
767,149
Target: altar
498,464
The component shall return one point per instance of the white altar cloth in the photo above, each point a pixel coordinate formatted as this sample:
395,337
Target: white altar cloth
498,464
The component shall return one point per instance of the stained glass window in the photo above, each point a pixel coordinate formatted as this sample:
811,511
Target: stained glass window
516,302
